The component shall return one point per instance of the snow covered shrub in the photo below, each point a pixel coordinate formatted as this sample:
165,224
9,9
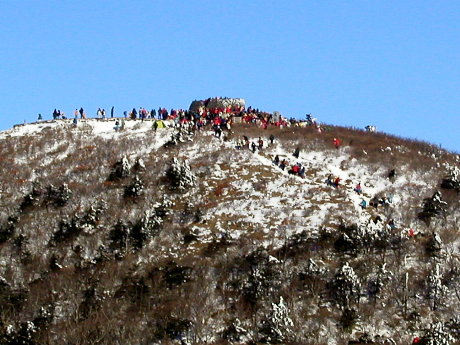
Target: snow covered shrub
452,180
94,213
58,196
348,318
180,136
436,335
369,234
453,326
276,328
24,335
434,244
145,228
121,170
173,328
313,276
134,189
45,316
11,300
138,166
378,281
118,236
436,289
91,302
7,229
432,207
262,278
70,228
180,175
345,286
33,198
175,275
234,332
163,209
297,243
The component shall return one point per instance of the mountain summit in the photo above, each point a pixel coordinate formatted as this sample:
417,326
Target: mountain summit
129,231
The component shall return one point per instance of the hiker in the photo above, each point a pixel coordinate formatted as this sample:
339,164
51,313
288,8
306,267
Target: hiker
246,141
99,113
217,131
296,153
391,224
377,219
117,126
261,143
391,175
75,121
155,125
374,202
75,113
384,201
358,189
40,117
336,143
337,182
81,111
329,181
276,161
283,164
363,204
253,147
302,172
271,139
238,144
103,114
295,169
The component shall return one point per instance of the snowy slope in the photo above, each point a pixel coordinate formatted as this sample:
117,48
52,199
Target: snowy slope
245,203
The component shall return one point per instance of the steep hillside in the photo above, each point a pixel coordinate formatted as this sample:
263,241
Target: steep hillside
174,237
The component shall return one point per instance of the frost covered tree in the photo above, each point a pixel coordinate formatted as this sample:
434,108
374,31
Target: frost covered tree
139,165
432,207
436,335
181,135
452,180
180,175
121,169
145,228
134,189
7,229
277,327
434,244
377,283
58,196
313,276
119,237
437,290
345,286
32,199
234,332
262,276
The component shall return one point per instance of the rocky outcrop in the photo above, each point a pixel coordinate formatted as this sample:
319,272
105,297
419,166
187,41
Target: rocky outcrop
213,103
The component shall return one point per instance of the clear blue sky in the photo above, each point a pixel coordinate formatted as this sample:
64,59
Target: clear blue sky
394,64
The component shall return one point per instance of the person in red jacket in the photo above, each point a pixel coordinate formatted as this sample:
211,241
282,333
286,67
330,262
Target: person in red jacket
336,143
337,182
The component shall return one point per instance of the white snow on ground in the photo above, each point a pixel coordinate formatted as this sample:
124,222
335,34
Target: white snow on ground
261,195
